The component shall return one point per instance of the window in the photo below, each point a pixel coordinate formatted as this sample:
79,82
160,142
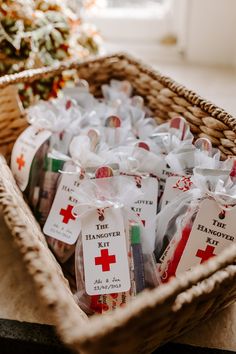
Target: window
147,28
133,3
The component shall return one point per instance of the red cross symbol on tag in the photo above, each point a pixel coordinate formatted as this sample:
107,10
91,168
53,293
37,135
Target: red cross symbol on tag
67,214
105,260
206,254
20,162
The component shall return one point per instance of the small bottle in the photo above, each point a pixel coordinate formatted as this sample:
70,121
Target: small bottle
36,173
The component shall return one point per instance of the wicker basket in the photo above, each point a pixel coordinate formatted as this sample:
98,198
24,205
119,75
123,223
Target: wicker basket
156,316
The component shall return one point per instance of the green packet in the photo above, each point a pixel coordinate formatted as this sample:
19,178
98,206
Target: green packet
47,187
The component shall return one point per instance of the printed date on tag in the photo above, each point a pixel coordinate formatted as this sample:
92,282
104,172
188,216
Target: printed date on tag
105,254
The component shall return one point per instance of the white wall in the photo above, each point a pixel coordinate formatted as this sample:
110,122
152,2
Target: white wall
211,32
206,32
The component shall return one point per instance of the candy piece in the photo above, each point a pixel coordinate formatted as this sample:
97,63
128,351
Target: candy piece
126,87
233,171
104,172
68,104
83,84
180,124
94,137
204,144
113,122
137,101
143,145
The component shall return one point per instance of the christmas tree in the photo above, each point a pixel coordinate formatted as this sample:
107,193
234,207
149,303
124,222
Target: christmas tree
43,32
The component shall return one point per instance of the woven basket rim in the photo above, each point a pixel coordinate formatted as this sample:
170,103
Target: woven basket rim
190,95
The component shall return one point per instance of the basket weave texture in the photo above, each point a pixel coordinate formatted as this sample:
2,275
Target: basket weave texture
155,316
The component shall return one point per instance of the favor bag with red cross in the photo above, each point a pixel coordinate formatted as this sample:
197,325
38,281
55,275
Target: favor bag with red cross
61,227
167,137
104,258
142,168
182,161
197,225
52,126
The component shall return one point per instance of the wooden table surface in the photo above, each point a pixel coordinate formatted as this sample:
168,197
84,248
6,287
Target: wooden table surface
30,338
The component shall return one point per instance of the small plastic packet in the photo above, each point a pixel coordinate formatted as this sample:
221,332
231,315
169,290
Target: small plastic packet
197,225
109,260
